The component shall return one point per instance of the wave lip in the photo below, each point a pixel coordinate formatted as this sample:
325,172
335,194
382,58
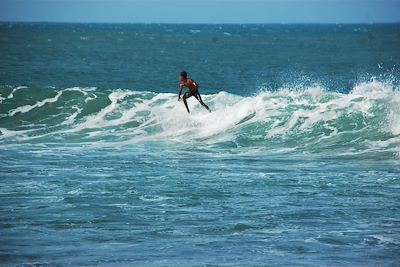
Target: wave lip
311,120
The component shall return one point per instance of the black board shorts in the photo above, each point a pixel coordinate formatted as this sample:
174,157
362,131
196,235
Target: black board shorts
191,93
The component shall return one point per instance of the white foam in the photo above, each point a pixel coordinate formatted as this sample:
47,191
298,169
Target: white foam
394,120
11,95
98,120
71,119
176,123
5,133
359,100
27,108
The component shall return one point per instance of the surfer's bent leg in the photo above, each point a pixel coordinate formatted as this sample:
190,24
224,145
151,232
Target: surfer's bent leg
198,97
187,95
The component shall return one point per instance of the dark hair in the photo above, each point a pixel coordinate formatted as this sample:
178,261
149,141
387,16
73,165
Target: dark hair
183,74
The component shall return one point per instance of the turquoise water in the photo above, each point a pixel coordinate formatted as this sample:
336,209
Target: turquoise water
297,165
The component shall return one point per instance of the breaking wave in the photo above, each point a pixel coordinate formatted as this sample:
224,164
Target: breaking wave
312,120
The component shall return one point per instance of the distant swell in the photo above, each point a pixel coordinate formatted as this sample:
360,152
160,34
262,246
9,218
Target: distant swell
312,120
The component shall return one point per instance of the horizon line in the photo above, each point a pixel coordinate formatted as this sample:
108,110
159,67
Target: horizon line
197,23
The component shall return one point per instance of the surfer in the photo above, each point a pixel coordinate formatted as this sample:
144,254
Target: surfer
193,90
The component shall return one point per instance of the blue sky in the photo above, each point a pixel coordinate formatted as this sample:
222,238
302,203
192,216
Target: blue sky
202,11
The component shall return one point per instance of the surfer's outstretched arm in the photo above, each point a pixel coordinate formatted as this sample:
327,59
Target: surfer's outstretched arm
180,91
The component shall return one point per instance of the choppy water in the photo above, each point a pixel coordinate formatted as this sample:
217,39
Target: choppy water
297,165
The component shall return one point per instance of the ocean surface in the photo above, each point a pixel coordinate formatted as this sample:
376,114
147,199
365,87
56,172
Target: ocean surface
297,165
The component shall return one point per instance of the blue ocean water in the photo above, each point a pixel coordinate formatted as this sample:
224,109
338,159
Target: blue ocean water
297,165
